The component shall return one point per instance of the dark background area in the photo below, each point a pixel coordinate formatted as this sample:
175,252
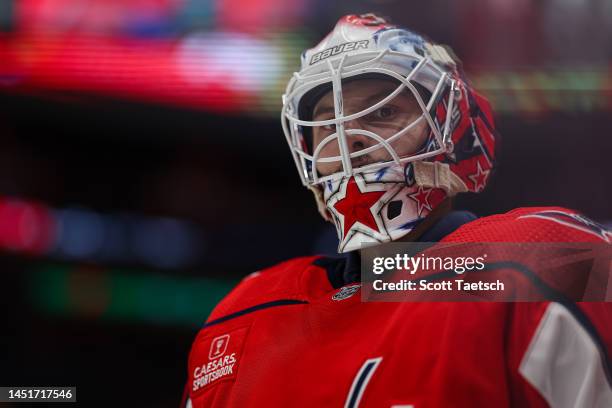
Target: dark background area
127,211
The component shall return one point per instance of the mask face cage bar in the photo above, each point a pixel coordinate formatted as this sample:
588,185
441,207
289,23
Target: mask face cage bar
306,164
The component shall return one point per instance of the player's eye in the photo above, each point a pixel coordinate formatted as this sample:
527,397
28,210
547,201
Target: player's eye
329,128
384,113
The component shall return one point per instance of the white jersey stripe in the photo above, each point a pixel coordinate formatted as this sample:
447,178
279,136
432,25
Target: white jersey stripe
564,364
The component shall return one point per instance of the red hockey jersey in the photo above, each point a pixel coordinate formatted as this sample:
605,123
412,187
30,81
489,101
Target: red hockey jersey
286,337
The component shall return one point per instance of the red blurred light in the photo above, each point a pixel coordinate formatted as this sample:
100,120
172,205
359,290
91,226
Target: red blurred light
148,70
25,227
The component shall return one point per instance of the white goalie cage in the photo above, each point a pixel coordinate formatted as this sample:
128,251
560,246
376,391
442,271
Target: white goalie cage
406,70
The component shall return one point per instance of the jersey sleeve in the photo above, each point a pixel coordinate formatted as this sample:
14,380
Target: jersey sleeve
558,355
533,224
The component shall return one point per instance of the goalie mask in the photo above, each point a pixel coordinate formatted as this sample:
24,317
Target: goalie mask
367,122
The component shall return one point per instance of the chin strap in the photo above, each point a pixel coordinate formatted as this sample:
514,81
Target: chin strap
438,175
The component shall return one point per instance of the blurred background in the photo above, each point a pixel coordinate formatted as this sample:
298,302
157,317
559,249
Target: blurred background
143,170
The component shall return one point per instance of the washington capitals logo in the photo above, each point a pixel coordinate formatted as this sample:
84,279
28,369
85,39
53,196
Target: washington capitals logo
356,207
575,221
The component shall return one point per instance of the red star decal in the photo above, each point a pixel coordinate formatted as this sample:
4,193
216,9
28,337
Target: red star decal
356,205
480,178
421,196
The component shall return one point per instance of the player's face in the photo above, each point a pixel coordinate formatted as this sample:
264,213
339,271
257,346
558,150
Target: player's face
386,121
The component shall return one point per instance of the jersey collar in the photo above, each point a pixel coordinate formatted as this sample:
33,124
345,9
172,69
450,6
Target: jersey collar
346,269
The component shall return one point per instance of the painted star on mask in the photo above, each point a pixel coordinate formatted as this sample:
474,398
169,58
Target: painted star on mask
356,206
479,178
421,196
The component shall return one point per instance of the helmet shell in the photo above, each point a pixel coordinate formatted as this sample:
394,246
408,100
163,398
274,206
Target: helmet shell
458,155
